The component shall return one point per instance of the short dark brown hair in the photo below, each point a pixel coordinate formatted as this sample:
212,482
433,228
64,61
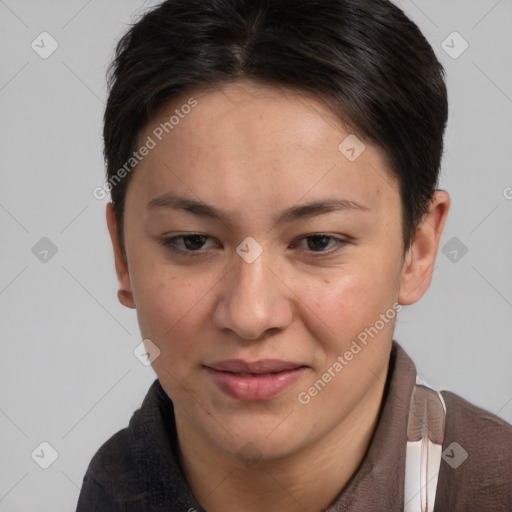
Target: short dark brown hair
365,59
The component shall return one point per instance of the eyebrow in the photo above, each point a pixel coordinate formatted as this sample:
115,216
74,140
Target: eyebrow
294,213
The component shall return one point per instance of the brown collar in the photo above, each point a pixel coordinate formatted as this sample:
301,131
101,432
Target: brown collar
378,484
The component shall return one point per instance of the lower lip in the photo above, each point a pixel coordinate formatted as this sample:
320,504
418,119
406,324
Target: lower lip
255,387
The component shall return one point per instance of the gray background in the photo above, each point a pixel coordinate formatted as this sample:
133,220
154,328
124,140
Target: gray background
67,372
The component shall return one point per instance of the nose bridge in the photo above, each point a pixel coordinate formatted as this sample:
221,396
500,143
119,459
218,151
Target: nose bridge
251,288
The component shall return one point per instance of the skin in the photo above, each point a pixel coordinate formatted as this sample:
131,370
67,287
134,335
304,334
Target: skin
252,151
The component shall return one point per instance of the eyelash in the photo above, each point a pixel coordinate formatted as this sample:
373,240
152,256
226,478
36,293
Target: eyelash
169,243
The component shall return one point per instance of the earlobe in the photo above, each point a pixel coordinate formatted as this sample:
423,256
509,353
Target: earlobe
126,298
125,294
420,258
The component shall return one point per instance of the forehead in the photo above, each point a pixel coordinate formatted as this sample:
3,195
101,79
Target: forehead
243,139
248,112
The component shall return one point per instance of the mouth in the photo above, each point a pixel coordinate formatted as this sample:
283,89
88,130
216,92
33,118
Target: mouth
256,381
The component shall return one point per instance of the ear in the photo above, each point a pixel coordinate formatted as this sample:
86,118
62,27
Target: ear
125,294
421,255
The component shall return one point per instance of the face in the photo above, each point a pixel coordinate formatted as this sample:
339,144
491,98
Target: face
258,257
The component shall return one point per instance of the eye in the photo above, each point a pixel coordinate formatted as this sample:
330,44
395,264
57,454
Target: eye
317,243
192,243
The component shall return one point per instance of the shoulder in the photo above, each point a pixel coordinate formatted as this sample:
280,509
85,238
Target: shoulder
476,470
486,435
110,479
113,474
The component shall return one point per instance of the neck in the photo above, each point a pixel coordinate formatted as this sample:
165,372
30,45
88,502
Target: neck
307,480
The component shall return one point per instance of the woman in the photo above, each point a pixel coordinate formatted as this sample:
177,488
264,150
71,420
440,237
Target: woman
273,169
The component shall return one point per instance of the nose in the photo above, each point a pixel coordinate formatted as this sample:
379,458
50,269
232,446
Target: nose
254,299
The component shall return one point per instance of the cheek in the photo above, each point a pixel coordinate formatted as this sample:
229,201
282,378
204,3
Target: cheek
168,310
166,303
351,299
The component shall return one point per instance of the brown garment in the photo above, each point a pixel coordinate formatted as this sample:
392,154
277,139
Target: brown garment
137,469
482,483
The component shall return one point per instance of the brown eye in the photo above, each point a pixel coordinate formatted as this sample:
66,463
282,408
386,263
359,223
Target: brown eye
194,242
318,242
188,245
321,244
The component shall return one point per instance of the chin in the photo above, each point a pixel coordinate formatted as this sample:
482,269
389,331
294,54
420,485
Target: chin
266,441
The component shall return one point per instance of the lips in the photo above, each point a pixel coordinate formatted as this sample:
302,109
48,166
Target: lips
259,380
257,368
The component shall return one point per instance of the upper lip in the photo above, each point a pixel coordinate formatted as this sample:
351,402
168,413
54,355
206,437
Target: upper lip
257,367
